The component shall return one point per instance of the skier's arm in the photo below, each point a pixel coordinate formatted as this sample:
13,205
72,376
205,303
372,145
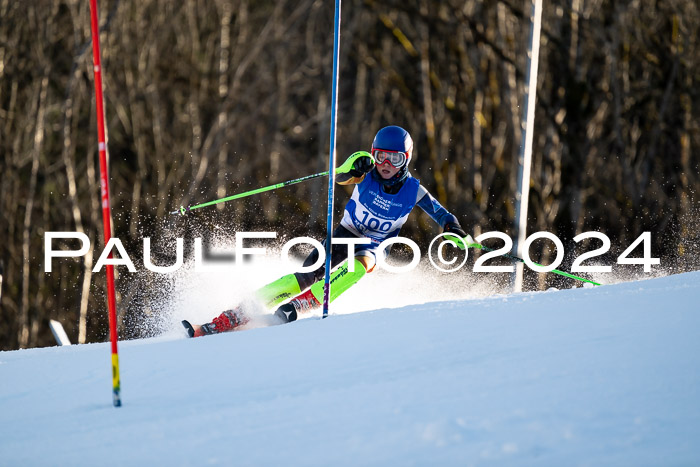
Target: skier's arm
354,169
442,216
434,209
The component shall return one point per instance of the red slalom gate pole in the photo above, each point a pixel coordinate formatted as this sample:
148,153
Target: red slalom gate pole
106,209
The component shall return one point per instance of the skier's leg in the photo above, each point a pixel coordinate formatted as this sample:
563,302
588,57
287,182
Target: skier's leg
292,285
341,280
339,253
278,291
283,288
272,294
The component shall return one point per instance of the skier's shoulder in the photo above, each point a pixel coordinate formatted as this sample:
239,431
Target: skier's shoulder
412,185
411,189
426,200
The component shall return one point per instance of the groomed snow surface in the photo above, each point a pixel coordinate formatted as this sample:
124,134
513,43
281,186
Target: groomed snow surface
603,376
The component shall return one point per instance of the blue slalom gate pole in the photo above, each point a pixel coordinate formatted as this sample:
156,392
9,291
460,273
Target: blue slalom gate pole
331,159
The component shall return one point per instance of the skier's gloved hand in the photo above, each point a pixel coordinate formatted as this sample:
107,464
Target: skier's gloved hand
459,237
362,165
456,229
357,165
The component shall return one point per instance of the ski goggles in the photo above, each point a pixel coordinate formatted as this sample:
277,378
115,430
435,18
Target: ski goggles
396,159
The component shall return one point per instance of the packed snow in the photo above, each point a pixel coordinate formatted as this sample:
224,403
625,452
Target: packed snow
588,376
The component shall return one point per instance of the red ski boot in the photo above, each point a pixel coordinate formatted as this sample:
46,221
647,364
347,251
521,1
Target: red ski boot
227,321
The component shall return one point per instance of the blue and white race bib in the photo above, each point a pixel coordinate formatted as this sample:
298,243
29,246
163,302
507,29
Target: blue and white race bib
377,215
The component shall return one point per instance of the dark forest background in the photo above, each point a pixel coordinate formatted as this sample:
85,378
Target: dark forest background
209,98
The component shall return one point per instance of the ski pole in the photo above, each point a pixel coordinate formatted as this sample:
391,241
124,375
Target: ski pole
346,167
184,210
555,271
465,243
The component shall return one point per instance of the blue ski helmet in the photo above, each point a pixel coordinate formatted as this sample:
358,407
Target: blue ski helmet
394,138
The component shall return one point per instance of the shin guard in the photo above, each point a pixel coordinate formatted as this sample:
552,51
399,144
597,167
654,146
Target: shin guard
278,291
341,280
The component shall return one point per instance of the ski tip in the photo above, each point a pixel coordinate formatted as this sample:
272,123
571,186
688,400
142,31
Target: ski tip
188,327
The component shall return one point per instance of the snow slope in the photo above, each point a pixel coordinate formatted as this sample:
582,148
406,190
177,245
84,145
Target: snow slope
604,376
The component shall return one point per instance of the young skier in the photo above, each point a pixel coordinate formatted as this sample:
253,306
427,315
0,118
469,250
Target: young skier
384,195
